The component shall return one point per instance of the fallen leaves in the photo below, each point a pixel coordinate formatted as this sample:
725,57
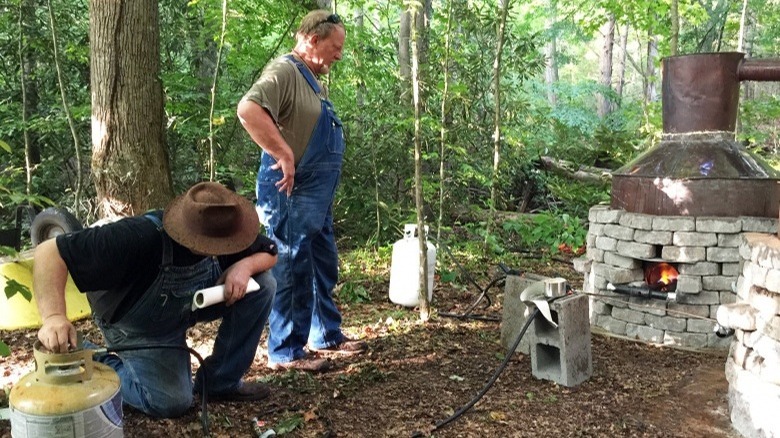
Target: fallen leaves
417,374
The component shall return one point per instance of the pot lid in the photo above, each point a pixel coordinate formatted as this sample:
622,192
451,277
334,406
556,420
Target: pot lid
698,156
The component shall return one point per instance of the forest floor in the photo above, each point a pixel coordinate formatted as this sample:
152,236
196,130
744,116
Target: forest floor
417,375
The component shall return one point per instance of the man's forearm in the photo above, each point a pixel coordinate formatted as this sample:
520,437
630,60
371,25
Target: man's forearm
263,130
49,277
258,262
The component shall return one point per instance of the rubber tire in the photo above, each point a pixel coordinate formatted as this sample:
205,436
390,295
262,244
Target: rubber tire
52,222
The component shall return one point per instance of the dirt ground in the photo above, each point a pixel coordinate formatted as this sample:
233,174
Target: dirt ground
417,375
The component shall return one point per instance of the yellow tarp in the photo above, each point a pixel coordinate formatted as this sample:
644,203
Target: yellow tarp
17,312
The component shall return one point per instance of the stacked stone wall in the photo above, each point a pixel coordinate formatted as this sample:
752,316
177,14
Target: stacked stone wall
753,363
706,252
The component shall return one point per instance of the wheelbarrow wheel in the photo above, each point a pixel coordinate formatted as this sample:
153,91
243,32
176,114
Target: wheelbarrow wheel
52,222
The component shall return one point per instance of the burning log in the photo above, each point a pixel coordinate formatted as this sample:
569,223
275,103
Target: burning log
661,276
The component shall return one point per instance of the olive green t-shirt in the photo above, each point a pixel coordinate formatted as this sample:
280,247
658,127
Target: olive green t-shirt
286,95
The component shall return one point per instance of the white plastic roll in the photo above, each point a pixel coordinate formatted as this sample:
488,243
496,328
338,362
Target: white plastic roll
216,294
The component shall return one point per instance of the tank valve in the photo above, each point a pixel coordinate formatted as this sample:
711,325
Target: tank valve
723,332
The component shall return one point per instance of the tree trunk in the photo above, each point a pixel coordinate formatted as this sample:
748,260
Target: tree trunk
748,87
29,65
422,22
360,121
129,160
605,79
212,149
66,110
652,54
418,196
675,31
621,69
745,45
587,174
717,13
742,19
404,68
503,11
551,55
23,89
444,120
204,50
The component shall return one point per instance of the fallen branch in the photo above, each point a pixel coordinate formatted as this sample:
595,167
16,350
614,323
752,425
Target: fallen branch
574,171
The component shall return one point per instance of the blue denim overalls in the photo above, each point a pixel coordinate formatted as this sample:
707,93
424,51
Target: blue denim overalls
302,227
159,381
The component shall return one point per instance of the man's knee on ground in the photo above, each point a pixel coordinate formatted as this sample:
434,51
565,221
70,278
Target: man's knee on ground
169,406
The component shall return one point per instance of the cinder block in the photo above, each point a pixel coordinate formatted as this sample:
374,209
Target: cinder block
515,312
562,354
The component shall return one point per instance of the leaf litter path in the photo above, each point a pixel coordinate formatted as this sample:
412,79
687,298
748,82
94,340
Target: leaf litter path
417,374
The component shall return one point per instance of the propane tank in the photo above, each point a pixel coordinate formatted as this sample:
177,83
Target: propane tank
405,268
67,395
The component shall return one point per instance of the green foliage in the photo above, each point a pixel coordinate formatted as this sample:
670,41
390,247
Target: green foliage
447,275
760,131
575,198
549,231
492,242
617,141
13,287
289,424
375,197
5,351
356,268
353,293
294,380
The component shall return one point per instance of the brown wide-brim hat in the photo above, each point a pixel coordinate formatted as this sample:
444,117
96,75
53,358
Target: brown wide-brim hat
211,219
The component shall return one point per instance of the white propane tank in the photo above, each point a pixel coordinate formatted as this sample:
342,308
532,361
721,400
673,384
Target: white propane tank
405,268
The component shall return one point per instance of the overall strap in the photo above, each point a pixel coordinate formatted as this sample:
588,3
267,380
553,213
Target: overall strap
167,257
306,74
156,220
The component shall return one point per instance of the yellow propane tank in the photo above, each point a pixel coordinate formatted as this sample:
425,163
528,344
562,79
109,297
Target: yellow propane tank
68,395
405,265
17,312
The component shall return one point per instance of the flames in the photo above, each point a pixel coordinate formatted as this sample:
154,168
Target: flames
661,276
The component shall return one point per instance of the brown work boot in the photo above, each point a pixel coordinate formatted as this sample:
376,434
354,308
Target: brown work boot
347,347
308,363
246,391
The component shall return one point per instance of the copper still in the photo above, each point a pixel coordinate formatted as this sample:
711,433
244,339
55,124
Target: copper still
698,169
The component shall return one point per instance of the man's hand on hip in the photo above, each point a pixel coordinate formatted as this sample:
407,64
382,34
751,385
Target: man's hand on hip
288,175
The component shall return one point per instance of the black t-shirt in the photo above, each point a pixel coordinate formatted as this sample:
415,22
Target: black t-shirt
123,258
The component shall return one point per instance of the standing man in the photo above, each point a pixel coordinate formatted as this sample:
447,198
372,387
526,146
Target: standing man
141,274
288,114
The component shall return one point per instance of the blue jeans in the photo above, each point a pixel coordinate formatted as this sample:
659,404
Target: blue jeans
159,382
306,272
302,227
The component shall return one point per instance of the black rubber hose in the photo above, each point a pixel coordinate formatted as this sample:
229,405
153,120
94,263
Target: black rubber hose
470,278
204,415
490,382
639,292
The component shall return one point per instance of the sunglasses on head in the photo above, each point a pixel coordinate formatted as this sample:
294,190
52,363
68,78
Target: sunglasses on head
332,18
